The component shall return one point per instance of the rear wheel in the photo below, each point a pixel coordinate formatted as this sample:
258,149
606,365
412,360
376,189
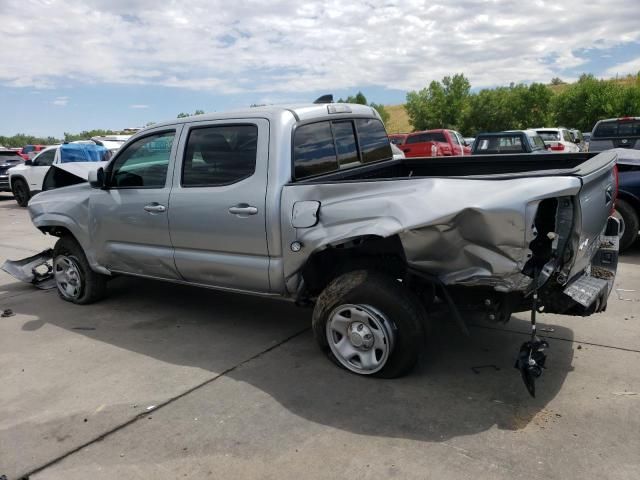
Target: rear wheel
21,192
369,324
75,280
631,223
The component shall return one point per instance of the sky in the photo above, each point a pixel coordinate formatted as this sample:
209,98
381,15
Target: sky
70,65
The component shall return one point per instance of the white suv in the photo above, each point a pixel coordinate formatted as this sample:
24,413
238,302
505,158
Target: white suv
26,179
558,139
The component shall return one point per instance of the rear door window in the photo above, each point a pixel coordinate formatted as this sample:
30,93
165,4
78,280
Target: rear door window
219,155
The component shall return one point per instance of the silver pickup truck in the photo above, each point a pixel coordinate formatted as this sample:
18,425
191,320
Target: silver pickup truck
306,203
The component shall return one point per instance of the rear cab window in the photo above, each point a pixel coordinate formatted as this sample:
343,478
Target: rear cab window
617,128
332,145
427,137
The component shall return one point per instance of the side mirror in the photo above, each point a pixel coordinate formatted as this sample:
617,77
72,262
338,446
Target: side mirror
96,178
28,162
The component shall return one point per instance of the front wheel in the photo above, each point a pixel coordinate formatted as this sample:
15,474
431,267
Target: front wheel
21,192
75,280
369,324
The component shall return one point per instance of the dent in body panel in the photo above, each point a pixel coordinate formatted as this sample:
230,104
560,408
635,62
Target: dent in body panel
465,231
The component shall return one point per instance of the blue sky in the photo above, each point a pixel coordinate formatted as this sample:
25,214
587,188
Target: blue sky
78,65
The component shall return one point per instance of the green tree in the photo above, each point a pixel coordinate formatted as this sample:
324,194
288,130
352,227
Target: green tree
384,115
21,139
582,104
440,105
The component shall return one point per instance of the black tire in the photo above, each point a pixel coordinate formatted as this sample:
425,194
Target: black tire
92,286
631,223
388,297
21,192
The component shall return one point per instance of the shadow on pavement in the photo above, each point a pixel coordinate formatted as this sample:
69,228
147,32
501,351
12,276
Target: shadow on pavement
441,399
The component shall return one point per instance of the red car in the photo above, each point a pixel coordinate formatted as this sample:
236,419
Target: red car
29,151
435,143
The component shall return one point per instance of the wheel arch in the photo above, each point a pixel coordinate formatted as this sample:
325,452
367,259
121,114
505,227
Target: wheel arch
374,252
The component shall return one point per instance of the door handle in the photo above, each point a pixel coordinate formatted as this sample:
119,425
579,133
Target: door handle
155,208
243,209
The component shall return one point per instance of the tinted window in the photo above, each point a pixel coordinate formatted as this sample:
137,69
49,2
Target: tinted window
618,128
313,150
220,155
374,143
346,144
27,149
45,159
144,163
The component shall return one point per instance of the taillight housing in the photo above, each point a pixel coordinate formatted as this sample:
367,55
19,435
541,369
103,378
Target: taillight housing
558,147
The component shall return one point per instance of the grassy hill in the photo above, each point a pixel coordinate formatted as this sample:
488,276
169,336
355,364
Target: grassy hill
398,119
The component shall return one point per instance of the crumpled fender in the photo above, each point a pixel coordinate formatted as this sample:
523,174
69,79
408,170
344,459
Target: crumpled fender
464,230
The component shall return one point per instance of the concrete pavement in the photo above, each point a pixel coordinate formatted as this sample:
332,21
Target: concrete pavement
237,389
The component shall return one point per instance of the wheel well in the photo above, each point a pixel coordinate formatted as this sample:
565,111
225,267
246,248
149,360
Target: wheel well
13,178
372,252
57,231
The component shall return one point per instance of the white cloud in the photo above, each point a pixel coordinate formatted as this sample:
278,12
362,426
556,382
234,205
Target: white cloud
60,101
632,66
290,47
138,106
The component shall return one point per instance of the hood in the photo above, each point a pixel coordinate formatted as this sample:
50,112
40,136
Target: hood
66,174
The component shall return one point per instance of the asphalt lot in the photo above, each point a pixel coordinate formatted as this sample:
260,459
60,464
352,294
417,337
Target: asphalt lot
162,381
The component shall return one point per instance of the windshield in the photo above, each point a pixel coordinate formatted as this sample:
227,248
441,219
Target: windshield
78,152
618,128
549,136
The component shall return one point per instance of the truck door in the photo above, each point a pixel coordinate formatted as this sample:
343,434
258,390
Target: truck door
217,215
130,228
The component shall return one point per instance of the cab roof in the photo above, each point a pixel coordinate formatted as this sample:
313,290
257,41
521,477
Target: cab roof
302,112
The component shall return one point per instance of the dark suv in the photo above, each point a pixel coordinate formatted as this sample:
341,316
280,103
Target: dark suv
615,133
8,159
